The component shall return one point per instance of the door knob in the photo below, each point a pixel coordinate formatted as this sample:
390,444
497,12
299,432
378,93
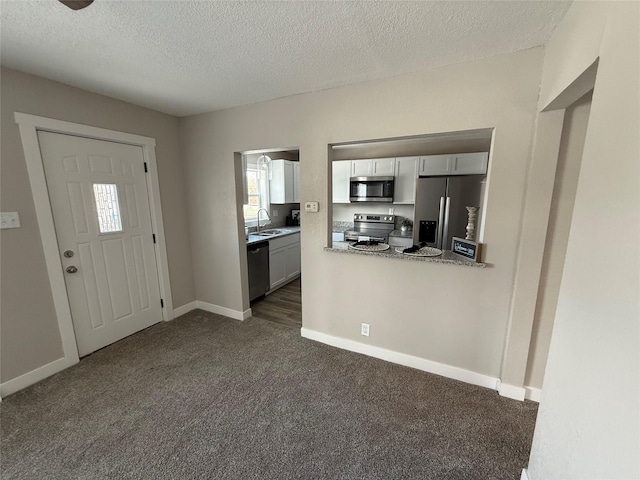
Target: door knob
72,269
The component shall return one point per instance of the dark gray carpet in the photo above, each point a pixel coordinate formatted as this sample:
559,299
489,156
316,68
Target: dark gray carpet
209,397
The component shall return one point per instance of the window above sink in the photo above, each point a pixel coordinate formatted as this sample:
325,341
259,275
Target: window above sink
257,187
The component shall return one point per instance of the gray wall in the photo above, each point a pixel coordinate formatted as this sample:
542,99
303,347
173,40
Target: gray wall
564,195
29,330
588,420
415,308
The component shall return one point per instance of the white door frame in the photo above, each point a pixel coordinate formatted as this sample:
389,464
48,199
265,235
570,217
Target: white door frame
29,126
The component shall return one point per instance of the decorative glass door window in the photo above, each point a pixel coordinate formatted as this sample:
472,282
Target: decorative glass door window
109,219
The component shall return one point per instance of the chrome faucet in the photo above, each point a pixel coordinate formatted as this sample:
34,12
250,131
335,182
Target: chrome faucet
268,217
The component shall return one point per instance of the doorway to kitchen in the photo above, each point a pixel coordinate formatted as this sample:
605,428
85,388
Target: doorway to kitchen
270,211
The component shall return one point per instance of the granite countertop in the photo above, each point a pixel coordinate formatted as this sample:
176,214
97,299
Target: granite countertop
252,238
446,257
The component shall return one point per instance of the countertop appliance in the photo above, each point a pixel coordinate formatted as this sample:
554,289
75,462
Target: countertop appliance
258,268
400,238
440,208
371,189
294,218
375,226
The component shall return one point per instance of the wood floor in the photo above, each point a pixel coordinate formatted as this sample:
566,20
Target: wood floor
283,306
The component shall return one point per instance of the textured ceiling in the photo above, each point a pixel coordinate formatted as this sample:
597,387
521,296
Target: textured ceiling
188,57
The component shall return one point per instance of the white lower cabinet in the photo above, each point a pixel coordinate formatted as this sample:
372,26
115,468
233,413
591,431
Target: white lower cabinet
277,267
284,260
292,258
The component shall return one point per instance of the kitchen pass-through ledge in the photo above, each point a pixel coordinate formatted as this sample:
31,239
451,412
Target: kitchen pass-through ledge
446,257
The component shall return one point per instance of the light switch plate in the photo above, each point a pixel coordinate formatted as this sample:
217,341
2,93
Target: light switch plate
9,220
311,207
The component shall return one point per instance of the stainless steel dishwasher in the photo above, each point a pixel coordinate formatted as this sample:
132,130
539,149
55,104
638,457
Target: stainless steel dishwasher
258,267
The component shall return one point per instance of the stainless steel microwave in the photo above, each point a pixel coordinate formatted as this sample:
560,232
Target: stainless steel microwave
371,189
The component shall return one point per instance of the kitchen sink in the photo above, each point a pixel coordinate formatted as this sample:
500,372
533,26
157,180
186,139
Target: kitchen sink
271,233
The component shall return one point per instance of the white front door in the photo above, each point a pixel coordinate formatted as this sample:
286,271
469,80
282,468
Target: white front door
100,205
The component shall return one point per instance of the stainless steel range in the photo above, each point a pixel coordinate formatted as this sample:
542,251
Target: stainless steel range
375,226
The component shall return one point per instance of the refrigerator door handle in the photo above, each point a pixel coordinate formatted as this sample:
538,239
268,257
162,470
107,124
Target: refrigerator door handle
445,233
440,222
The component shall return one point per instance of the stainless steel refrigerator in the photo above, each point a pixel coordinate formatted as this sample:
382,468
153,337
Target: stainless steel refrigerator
440,208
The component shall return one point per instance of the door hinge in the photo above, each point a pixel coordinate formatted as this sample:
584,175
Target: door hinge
161,303
154,237
145,167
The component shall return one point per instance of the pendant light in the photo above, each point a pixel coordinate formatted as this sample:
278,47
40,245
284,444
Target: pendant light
264,163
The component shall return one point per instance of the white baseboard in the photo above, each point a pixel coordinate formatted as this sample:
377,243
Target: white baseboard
533,394
511,391
524,475
186,308
423,364
34,376
227,312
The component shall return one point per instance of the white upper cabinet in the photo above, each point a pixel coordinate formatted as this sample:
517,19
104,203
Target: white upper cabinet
361,168
341,172
454,164
377,167
470,163
383,167
435,165
296,182
406,173
282,184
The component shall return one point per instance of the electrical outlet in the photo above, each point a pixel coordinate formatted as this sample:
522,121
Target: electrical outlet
274,213
365,329
9,220
391,210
